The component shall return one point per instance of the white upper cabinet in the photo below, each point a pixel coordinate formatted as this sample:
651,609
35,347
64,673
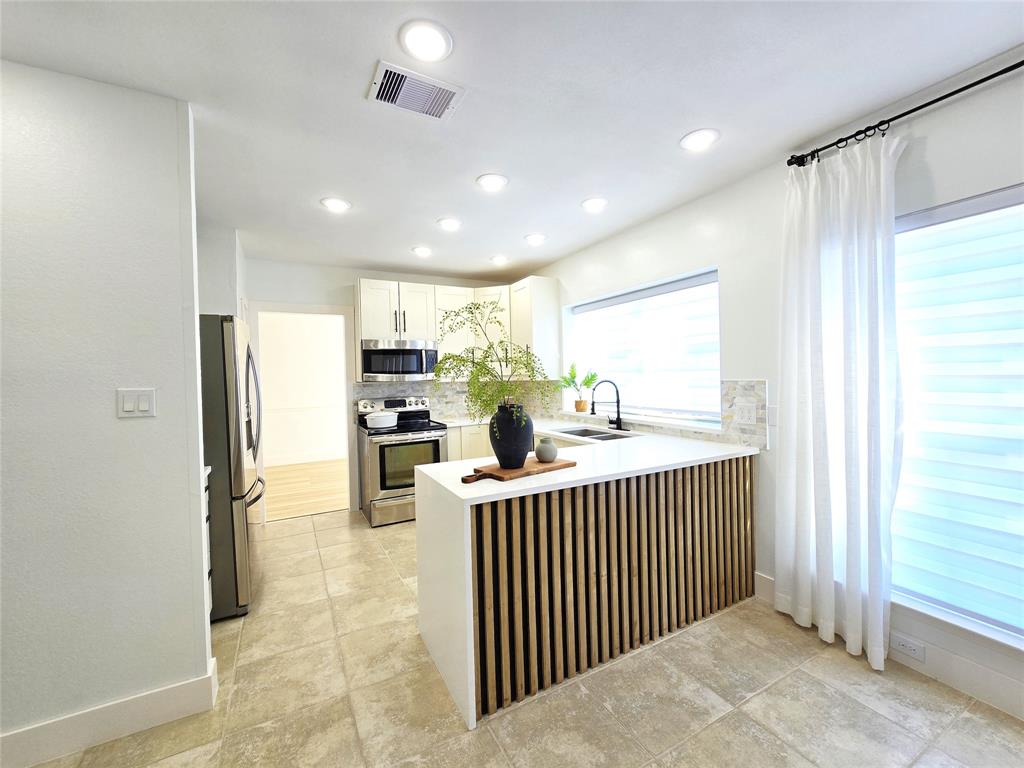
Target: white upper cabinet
534,310
392,310
500,294
416,311
448,298
378,309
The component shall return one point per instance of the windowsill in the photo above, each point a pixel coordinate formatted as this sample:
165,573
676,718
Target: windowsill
998,634
652,421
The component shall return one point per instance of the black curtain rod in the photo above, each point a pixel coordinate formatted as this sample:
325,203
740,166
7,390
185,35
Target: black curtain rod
883,125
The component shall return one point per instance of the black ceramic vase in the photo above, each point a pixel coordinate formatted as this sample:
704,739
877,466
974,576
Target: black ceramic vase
511,433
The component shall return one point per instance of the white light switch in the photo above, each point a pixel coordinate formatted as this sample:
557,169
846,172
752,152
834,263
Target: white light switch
135,403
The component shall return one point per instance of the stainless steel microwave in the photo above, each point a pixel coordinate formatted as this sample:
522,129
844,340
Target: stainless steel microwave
398,359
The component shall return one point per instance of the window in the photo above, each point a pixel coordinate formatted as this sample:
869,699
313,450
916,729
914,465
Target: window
659,345
958,526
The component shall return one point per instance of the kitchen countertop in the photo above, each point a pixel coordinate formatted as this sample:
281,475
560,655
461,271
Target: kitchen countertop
596,462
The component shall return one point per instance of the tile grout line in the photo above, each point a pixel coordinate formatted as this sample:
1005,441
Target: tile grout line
935,740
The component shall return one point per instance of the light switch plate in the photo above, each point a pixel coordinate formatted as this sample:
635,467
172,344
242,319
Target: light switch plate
136,403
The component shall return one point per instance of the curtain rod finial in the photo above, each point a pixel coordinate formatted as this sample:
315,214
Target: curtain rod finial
798,160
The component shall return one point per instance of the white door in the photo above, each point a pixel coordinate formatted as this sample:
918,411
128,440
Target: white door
500,294
416,312
378,309
448,298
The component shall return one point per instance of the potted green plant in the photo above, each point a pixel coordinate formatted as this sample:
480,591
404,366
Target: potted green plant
501,378
568,381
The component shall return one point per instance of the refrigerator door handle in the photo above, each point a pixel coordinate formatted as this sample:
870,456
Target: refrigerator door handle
263,489
253,375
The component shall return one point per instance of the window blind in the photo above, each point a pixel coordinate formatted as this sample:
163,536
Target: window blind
958,526
660,345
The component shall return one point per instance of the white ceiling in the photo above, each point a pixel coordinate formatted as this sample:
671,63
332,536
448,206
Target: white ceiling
569,100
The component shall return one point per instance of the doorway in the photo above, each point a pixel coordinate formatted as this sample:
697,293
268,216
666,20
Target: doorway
305,456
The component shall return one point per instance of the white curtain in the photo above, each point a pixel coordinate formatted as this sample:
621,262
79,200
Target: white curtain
840,414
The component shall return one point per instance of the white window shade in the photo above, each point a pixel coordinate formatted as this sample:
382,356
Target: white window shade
958,527
660,345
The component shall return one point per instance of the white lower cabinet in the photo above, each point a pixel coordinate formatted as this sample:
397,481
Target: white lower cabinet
454,443
476,443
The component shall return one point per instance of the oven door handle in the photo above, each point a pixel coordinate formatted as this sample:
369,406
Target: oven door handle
419,438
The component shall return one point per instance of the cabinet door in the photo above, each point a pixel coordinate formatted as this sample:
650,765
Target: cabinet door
454,443
378,309
520,315
476,443
500,294
446,299
416,311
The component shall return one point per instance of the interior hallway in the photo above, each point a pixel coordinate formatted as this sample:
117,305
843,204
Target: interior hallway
295,490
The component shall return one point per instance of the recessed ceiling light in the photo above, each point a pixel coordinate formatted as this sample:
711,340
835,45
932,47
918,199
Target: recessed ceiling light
335,204
535,239
492,182
449,224
499,260
699,140
425,40
422,251
594,204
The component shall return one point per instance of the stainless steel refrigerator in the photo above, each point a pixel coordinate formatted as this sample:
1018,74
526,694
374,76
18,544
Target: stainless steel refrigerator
232,423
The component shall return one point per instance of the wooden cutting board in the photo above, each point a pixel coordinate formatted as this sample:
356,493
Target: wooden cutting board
531,467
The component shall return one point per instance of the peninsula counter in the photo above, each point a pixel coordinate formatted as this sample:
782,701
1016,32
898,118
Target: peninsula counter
525,583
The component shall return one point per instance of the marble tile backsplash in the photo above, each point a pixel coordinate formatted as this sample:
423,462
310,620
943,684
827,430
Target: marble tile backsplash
448,403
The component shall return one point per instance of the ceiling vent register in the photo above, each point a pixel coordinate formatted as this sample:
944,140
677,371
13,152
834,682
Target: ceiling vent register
414,92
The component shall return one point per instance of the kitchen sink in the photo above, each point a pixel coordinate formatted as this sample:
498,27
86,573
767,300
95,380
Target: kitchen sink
594,434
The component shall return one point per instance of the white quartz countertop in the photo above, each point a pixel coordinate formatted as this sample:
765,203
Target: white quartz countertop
599,461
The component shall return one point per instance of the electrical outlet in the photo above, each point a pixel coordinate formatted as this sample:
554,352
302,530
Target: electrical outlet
746,414
912,648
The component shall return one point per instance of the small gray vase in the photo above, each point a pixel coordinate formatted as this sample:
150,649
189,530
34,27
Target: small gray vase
546,450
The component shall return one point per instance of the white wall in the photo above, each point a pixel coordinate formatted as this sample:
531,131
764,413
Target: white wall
218,275
295,283
302,364
101,532
966,147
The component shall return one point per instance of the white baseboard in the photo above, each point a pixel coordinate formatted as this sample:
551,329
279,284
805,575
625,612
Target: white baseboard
72,733
961,659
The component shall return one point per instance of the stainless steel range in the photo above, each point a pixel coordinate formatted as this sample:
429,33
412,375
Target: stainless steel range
388,455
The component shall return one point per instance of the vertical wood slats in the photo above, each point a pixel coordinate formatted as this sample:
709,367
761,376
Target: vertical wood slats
566,580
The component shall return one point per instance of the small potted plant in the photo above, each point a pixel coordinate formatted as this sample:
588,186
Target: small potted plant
501,378
568,381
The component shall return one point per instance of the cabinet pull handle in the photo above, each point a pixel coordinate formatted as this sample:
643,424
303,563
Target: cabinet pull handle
396,321
404,329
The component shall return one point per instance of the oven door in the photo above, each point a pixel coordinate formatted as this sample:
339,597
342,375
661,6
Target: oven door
392,461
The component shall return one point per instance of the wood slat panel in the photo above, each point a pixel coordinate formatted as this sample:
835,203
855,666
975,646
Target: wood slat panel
569,584
615,563
603,622
543,586
474,529
566,580
645,565
487,638
633,513
590,522
504,615
557,609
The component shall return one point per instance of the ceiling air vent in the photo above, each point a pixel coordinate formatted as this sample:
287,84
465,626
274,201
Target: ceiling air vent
410,90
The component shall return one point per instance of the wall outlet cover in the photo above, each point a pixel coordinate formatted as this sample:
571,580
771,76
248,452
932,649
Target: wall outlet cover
908,646
746,413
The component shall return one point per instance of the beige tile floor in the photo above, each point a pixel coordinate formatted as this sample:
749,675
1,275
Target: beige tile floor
328,669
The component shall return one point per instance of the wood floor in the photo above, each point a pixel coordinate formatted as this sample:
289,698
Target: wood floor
294,490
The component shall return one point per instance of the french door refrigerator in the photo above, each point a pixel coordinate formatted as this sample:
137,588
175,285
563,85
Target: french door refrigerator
232,423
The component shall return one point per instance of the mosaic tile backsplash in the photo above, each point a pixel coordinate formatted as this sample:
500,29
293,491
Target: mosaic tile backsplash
447,403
